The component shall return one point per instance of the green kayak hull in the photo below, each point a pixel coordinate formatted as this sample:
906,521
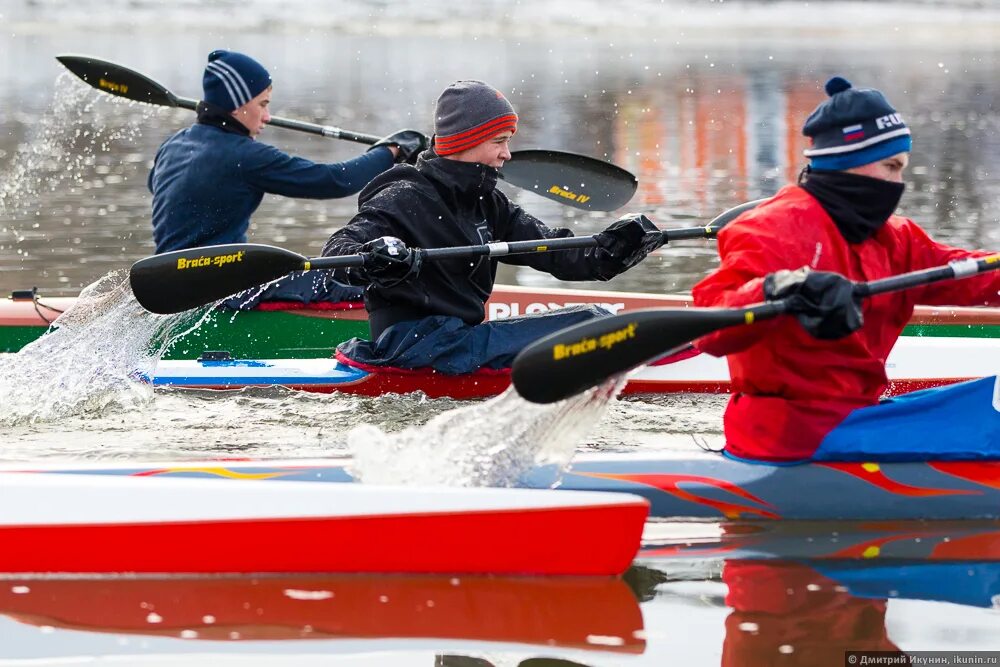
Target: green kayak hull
298,333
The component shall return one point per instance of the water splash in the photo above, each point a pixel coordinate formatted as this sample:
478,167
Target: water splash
494,443
88,361
63,147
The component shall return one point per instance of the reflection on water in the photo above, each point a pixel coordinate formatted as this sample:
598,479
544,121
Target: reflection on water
803,593
334,614
703,128
811,612
760,599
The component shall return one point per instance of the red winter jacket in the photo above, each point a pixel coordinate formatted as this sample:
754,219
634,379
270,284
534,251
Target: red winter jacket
790,389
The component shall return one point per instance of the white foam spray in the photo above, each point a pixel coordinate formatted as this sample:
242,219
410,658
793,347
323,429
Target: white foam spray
90,360
494,443
63,146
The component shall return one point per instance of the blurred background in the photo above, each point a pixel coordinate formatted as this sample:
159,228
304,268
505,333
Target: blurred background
703,100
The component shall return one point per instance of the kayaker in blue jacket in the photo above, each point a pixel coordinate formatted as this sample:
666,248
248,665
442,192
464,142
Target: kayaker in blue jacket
208,179
430,315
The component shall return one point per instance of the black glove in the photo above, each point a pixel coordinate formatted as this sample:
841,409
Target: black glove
823,302
628,240
388,262
410,143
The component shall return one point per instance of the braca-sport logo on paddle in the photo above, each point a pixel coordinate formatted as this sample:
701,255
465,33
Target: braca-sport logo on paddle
568,194
619,344
587,183
216,260
540,378
113,87
585,345
165,284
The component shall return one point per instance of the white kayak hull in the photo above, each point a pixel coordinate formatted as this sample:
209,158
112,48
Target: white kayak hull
109,524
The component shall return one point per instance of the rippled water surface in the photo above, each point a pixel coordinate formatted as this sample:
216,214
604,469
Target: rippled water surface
702,100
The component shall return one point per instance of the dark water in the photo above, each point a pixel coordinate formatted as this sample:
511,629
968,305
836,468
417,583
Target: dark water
705,124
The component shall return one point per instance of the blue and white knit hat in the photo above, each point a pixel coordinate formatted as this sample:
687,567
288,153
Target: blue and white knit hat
855,126
232,79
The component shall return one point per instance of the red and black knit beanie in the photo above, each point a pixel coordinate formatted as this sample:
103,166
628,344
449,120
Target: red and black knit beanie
469,113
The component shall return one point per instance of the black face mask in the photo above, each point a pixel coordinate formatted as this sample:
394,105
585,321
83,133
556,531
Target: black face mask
859,205
209,114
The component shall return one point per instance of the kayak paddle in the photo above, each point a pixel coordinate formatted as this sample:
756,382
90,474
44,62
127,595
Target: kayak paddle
183,279
577,358
575,180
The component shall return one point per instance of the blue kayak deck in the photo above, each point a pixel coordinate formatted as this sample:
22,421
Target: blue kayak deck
686,485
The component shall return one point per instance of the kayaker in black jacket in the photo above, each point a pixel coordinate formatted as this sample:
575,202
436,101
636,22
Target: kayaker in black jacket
431,315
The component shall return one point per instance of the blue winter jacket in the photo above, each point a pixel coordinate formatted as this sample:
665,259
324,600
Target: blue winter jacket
207,182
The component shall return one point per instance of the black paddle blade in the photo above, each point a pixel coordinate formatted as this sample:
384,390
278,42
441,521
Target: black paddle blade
177,281
574,180
117,80
577,358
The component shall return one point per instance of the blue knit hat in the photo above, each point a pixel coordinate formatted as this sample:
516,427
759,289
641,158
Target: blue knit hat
232,79
855,126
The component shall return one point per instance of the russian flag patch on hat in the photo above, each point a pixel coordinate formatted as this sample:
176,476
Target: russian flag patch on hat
854,132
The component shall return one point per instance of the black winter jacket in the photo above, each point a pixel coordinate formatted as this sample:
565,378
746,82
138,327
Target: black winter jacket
439,203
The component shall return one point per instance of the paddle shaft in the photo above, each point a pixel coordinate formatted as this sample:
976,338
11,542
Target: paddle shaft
166,283
141,88
287,123
549,245
504,248
570,179
173,282
585,355
962,268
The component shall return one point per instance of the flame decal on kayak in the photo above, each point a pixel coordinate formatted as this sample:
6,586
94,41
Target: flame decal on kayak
984,545
872,474
872,549
949,542
986,473
215,472
670,484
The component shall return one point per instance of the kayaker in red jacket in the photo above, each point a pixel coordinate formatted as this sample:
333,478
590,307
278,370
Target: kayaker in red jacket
795,379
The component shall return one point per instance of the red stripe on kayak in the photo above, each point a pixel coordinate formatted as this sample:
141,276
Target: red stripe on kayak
427,371
986,473
873,474
592,540
314,305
